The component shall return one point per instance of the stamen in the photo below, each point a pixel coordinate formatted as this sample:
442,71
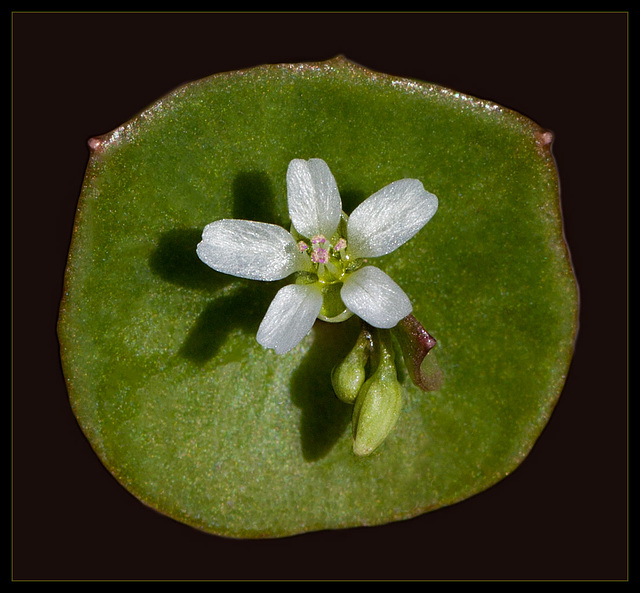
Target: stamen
318,239
320,256
302,246
340,245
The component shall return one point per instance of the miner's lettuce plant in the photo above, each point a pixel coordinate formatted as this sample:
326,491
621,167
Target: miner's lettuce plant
316,397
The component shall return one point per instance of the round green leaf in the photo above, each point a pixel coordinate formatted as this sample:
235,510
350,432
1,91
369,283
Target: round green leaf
164,372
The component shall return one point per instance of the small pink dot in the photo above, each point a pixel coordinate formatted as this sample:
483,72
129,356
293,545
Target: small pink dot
341,244
320,256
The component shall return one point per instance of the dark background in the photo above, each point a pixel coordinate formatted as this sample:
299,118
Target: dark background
561,515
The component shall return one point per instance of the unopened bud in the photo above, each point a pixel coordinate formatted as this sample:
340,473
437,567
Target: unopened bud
348,376
379,403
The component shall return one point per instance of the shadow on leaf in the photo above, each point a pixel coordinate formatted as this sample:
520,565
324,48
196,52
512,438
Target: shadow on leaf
351,199
175,260
241,309
254,199
324,417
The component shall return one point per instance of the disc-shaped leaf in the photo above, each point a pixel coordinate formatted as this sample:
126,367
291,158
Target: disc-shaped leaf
165,375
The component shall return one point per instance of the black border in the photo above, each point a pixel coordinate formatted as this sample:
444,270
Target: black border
561,515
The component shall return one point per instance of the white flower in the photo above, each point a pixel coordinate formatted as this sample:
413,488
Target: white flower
325,250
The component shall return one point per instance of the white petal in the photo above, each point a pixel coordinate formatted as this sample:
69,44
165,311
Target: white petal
255,250
313,198
389,218
290,317
374,297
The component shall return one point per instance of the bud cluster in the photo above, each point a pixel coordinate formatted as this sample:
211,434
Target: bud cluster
377,399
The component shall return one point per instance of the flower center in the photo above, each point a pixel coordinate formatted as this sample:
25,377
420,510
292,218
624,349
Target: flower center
329,260
329,264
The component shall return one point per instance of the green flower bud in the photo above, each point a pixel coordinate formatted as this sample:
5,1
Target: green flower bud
379,402
348,376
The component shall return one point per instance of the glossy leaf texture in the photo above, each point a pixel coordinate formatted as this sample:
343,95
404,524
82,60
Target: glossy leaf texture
164,372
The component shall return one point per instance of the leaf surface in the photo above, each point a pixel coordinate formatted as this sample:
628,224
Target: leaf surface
164,372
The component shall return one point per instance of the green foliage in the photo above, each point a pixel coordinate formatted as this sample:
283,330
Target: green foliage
164,373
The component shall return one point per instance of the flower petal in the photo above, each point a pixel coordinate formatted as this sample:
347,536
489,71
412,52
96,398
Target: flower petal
314,201
247,249
389,218
374,297
290,317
